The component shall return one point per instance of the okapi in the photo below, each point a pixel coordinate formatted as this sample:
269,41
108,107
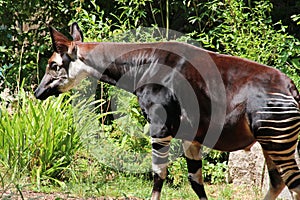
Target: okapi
192,94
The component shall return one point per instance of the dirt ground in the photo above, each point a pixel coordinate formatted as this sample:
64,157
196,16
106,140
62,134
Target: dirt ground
29,195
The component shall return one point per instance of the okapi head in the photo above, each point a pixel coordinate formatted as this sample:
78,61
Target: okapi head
62,71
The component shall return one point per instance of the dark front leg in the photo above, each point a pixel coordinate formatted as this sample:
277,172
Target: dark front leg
194,163
163,112
157,186
160,154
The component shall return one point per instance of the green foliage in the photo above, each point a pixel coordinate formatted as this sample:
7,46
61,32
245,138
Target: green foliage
129,128
40,139
214,165
92,20
214,173
177,172
233,28
23,42
125,144
132,13
102,24
296,18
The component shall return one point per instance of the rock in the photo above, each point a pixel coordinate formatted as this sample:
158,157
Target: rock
248,168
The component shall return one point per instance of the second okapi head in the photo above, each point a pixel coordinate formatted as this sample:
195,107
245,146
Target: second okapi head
62,72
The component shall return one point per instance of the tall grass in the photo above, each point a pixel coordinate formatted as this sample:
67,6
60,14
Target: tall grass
40,139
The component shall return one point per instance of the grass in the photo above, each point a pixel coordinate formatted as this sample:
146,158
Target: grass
97,180
126,187
92,179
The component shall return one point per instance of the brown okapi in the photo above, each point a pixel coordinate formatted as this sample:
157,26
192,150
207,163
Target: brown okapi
204,98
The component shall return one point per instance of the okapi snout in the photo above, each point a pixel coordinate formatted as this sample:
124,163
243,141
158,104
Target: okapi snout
45,90
44,93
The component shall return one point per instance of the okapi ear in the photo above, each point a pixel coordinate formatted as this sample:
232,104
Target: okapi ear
76,32
59,41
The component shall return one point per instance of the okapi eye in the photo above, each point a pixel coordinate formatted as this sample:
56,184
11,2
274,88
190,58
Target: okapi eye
54,66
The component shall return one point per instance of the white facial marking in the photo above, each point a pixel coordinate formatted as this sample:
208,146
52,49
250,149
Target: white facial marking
57,58
76,72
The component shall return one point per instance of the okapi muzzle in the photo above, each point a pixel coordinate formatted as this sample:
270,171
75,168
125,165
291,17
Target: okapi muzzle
45,90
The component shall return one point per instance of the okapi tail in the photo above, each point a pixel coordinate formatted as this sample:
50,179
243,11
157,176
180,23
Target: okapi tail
295,93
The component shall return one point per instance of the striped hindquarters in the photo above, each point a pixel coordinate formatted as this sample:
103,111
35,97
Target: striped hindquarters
277,128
